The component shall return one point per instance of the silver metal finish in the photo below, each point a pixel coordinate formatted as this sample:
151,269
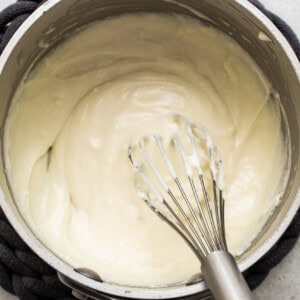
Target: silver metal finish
79,295
224,278
89,274
57,19
197,211
83,293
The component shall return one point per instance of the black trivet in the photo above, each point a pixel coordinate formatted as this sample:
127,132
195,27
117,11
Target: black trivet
25,275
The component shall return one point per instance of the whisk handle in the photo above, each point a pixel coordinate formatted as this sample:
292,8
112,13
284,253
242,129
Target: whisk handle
223,277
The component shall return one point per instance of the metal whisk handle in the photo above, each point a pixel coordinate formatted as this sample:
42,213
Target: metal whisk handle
224,278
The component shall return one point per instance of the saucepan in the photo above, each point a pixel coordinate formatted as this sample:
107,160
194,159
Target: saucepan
55,20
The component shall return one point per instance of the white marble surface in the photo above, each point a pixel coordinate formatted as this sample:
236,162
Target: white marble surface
283,282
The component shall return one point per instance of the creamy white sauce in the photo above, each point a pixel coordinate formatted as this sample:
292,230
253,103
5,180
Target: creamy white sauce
108,84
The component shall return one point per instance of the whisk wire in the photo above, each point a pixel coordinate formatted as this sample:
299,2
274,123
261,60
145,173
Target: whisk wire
189,175
153,167
188,237
203,229
188,169
189,129
151,164
201,212
198,246
191,211
222,221
212,163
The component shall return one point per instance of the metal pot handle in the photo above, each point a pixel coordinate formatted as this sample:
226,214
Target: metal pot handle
81,292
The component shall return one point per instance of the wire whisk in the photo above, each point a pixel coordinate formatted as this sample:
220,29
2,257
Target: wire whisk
181,179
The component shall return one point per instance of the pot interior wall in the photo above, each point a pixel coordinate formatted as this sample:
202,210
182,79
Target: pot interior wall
68,15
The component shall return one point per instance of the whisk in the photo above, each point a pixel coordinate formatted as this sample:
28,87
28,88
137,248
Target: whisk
181,179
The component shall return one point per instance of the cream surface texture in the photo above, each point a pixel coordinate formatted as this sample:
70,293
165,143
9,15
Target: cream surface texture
73,117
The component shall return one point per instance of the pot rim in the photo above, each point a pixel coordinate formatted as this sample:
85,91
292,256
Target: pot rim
141,292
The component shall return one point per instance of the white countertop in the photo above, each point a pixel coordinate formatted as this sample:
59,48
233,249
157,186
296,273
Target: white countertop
283,282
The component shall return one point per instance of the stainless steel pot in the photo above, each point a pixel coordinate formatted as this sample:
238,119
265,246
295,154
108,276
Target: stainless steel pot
56,19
